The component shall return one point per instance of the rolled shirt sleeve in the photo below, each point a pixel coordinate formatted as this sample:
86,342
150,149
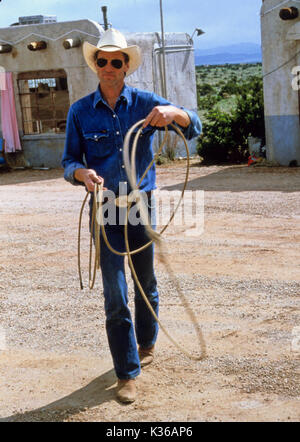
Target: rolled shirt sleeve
195,127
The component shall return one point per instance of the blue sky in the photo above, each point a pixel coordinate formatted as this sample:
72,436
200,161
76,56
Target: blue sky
225,22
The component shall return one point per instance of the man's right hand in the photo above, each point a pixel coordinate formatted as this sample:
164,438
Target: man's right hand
89,178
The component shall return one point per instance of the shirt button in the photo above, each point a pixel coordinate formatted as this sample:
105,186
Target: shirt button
123,166
120,150
118,133
114,116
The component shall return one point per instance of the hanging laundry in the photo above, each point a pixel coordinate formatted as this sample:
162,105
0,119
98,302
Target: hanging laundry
9,123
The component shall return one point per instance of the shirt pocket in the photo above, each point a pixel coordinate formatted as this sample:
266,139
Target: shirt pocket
99,144
144,136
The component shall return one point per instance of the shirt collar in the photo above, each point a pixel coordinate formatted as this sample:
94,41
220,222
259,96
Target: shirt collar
124,95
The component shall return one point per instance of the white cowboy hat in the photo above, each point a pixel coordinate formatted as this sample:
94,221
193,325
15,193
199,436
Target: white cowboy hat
111,41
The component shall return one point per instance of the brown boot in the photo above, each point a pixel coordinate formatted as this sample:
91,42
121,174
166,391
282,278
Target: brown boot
126,390
146,355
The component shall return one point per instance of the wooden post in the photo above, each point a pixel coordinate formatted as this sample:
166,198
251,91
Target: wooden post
71,43
37,45
5,48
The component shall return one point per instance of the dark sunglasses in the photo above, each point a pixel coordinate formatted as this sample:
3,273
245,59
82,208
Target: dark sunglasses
101,62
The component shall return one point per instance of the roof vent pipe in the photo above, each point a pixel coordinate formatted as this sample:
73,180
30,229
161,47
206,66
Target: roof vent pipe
104,12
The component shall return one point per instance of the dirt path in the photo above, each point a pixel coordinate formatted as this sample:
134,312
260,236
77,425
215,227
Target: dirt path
242,277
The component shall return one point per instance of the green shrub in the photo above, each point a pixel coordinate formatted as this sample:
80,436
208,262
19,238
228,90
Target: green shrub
216,141
249,113
225,134
208,101
205,89
232,87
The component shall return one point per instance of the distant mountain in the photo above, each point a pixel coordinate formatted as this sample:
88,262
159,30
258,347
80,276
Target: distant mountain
231,54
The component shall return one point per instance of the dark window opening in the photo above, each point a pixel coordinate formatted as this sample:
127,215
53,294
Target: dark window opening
44,99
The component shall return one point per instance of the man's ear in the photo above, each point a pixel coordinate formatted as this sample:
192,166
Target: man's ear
127,68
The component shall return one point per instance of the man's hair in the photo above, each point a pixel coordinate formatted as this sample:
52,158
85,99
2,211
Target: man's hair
126,56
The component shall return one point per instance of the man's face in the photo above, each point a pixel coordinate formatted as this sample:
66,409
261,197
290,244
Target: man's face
109,75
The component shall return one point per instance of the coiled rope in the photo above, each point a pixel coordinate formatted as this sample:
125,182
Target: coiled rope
97,223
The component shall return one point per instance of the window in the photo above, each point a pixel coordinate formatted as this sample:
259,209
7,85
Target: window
44,99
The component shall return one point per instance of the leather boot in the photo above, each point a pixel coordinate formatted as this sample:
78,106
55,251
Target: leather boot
146,355
126,390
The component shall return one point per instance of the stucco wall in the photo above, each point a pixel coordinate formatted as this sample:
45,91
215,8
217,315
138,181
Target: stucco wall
45,150
180,74
280,54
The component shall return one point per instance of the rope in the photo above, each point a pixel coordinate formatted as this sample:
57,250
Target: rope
282,65
97,221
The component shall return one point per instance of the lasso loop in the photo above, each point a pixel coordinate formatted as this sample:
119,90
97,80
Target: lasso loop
97,222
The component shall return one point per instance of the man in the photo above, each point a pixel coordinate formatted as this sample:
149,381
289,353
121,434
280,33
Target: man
96,127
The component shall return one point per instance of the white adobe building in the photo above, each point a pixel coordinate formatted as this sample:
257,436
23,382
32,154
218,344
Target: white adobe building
280,30
47,80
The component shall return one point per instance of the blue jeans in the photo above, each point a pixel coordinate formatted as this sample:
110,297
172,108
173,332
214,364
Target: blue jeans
123,335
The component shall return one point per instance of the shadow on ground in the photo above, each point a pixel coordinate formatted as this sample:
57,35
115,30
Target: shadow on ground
92,395
226,178
18,176
241,178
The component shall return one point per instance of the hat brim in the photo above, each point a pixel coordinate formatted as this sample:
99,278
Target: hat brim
134,53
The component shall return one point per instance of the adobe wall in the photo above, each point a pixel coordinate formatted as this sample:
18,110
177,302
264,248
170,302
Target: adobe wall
46,149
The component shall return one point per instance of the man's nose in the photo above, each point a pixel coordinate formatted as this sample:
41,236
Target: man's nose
108,67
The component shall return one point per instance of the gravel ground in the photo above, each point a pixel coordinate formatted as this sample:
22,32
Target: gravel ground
241,278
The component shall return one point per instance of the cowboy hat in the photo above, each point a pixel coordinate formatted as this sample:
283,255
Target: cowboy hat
111,41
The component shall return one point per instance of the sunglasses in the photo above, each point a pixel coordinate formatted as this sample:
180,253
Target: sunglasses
117,64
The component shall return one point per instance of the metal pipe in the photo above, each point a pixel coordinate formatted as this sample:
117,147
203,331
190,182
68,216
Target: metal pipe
174,47
104,12
157,86
178,50
163,50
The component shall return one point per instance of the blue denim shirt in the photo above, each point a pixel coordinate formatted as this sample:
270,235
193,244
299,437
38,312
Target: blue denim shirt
95,134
